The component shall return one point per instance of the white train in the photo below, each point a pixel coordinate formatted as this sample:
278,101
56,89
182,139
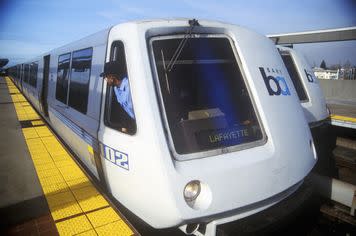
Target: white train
306,85
314,106
217,131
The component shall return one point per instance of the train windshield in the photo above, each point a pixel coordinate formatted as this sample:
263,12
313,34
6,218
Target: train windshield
206,101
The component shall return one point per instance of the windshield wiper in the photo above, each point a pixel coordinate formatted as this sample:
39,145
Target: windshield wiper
188,34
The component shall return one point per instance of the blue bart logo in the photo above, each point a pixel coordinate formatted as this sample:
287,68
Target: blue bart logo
310,77
275,85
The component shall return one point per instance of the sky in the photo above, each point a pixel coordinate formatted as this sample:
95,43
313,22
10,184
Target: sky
32,27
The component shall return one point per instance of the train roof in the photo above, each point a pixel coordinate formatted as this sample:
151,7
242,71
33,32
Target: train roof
102,36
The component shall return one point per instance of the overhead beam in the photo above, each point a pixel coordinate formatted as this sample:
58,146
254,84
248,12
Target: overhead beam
318,36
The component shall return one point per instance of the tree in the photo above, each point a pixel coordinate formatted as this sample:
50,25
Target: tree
335,67
347,65
323,65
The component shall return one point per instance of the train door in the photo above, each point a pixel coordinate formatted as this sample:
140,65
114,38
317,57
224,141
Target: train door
44,92
118,125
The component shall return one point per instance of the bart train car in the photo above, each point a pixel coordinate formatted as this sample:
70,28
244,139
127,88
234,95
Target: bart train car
217,131
314,106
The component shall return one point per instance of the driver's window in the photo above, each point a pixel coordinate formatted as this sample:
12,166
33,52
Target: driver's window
119,113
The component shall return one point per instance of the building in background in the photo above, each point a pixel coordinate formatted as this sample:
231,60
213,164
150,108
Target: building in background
347,73
321,73
342,73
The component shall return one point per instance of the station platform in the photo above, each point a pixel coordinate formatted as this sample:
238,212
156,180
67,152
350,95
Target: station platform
43,190
343,113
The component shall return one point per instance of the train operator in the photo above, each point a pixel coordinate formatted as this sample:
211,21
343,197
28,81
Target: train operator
120,85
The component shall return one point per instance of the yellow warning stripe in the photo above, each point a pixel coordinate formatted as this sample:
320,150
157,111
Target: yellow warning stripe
76,206
343,118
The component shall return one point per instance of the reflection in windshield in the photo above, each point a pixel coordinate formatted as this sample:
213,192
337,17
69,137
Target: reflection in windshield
206,100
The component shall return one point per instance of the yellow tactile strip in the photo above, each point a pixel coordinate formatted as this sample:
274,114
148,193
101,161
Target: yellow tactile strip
343,118
76,206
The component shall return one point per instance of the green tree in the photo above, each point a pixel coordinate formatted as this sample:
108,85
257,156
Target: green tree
335,67
323,65
347,64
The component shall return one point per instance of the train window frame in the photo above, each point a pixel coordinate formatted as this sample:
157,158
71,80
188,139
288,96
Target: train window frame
299,77
80,108
65,98
212,152
122,125
33,74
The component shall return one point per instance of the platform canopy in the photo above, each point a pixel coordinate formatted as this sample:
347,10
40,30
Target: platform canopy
318,36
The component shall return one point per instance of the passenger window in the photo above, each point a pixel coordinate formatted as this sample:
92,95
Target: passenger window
119,113
79,80
26,73
33,74
62,77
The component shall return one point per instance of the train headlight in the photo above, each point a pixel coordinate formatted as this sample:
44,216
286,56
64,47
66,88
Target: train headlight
192,190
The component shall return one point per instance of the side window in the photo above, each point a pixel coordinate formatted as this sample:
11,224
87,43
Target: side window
294,75
62,77
79,79
119,113
33,74
26,72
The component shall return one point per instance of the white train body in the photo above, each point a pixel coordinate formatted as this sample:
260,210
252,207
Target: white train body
314,106
310,93
147,170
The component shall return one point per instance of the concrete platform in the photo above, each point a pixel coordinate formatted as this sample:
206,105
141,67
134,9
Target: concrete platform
343,112
342,107
21,196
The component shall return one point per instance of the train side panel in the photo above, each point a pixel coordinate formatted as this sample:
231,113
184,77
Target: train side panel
79,128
